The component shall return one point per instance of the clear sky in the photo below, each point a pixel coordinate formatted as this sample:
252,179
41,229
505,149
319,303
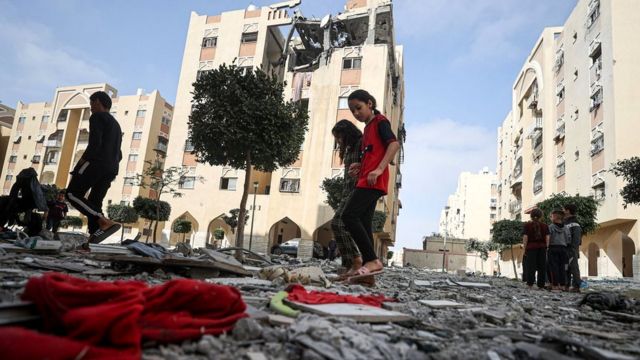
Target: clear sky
461,59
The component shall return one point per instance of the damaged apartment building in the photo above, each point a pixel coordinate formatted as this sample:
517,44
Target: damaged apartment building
322,61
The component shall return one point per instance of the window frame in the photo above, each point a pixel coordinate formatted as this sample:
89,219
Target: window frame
206,42
293,181
250,35
228,182
133,135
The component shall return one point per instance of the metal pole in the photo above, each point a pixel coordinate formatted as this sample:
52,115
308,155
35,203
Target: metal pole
253,212
446,230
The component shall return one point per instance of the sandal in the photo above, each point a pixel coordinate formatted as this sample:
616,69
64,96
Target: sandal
365,272
100,235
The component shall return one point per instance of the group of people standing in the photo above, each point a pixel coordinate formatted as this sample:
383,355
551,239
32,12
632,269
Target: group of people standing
552,251
366,157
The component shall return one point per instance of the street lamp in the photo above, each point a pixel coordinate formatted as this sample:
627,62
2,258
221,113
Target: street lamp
446,230
253,211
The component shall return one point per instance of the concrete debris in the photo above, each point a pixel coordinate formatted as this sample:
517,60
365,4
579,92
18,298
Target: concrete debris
448,316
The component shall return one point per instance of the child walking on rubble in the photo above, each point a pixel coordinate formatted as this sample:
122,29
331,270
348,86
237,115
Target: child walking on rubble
557,254
348,138
379,148
535,239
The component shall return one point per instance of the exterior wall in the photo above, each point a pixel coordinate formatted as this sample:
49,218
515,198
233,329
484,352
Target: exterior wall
304,211
576,123
43,120
471,207
431,255
6,122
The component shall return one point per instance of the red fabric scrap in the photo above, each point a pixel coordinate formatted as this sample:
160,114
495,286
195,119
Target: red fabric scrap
109,320
299,294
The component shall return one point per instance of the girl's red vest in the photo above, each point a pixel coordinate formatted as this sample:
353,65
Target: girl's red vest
373,150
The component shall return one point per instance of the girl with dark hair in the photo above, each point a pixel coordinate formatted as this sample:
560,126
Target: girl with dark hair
379,147
348,138
535,240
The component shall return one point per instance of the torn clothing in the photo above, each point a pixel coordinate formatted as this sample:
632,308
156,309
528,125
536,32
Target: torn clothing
298,293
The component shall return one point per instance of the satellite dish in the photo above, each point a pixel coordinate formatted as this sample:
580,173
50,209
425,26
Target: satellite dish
325,21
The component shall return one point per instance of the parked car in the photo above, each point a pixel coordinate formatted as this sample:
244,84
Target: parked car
291,248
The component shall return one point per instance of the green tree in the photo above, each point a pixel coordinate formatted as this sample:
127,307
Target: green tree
122,214
389,254
629,170
152,210
161,181
333,187
218,234
50,191
505,234
182,226
240,119
482,248
379,218
586,213
232,219
71,221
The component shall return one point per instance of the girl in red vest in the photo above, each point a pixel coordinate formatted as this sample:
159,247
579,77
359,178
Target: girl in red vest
379,147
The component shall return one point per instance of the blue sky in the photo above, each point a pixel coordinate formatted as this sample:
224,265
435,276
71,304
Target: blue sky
461,58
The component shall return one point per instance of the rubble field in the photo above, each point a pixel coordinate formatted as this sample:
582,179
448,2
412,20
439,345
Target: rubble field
434,316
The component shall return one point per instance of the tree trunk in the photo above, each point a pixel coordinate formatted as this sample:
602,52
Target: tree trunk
155,228
121,233
149,230
513,261
243,210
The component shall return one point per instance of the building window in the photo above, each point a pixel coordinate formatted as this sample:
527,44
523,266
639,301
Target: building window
228,183
245,69
343,103
8,178
290,185
559,60
594,12
537,182
45,118
188,146
63,116
126,229
249,37
200,74
129,181
141,113
560,167
137,135
597,144
166,120
560,93
51,158
351,63
22,119
596,98
187,182
209,42
36,159
13,159
133,157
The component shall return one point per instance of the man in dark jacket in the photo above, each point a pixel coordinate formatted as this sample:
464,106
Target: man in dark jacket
97,168
573,247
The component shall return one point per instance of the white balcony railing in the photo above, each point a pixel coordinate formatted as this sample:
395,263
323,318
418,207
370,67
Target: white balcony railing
53,143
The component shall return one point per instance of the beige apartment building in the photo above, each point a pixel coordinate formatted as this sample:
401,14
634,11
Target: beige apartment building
6,122
575,110
322,61
52,136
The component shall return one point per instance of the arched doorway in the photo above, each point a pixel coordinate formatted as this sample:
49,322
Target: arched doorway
175,238
322,236
628,250
216,228
593,254
282,231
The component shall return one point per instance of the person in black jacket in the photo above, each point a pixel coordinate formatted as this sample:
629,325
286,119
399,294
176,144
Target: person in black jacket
573,248
97,168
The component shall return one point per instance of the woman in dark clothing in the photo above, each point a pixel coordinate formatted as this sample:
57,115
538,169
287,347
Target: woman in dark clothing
535,240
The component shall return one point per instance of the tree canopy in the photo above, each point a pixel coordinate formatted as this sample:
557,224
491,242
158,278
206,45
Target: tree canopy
123,214
333,187
629,170
586,213
240,119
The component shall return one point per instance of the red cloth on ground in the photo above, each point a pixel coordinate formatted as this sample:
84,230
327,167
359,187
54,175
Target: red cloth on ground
110,319
299,294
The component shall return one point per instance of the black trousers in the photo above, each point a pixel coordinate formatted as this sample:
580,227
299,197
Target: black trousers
573,270
557,258
534,262
87,177
357,217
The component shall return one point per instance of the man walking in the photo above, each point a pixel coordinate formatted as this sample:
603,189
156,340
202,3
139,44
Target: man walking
573,247
97,168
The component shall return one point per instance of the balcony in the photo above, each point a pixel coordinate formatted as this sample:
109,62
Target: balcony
515,207
161,147
560,130
36,159
55,143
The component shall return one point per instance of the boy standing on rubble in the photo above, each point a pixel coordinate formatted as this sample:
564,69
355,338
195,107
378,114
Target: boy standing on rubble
573,247
557,253
97,168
